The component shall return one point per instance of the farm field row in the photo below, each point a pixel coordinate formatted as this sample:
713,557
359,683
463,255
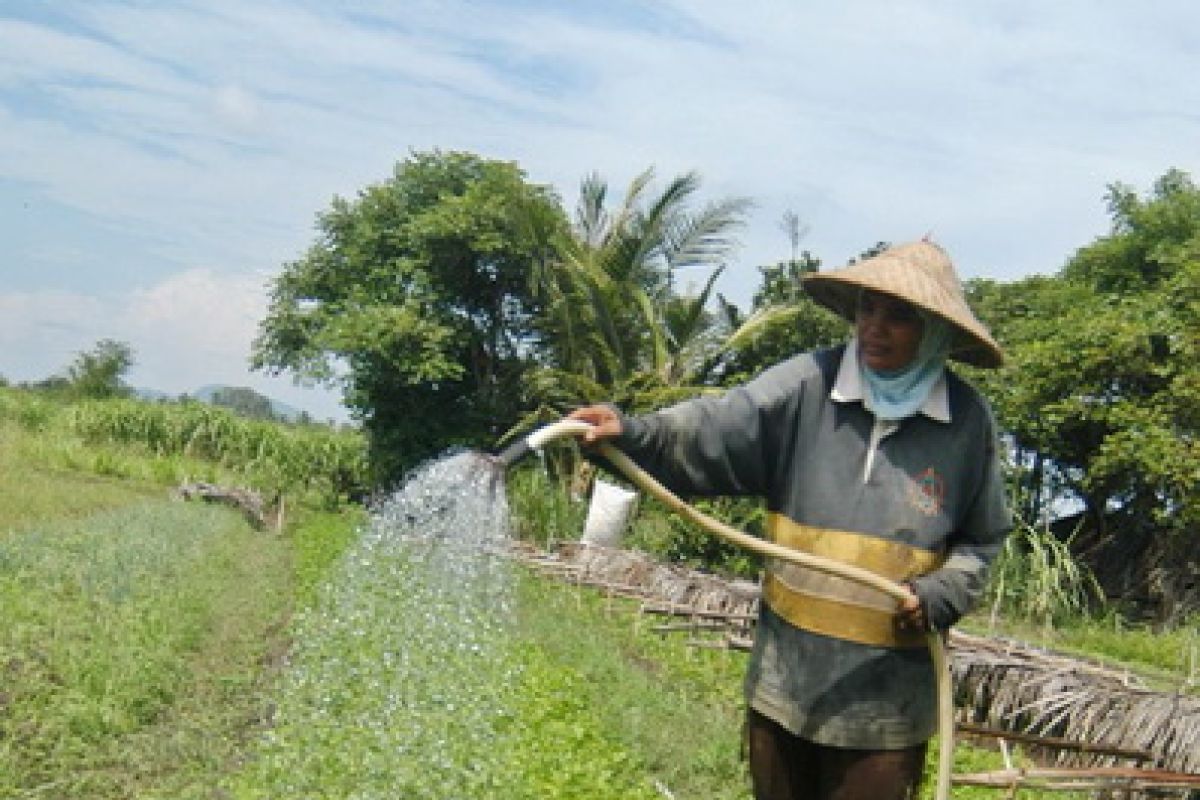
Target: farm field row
154,648
159,649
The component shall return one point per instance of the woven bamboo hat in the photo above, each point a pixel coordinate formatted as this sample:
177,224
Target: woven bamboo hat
919,273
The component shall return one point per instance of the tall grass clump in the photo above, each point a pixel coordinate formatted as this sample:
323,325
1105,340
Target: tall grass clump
189,440
285,458
1036,579
542,508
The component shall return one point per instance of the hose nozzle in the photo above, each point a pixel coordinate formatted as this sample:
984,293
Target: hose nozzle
539,439
513,453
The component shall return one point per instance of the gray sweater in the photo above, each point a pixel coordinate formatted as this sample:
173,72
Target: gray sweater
933,485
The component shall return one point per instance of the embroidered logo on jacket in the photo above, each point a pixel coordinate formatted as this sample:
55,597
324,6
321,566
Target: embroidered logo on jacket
926,492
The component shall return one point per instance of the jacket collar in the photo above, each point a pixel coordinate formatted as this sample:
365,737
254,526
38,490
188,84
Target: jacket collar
848,387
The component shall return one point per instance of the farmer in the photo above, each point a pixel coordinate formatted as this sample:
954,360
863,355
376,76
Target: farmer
871,453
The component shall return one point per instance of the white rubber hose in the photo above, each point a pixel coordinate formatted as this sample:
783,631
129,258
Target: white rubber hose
641,479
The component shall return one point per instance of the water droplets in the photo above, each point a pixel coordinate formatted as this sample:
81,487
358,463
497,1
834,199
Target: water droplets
394,675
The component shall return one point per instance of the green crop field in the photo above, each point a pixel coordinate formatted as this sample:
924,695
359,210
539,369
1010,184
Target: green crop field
152,648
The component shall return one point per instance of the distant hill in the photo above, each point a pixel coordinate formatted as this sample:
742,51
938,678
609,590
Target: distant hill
151,394
206,394
279,408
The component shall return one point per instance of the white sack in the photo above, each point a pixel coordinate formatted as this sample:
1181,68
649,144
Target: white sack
609,514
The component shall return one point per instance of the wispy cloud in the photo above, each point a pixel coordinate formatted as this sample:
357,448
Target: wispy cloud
217,130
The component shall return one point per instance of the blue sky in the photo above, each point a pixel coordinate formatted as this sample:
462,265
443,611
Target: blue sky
160,161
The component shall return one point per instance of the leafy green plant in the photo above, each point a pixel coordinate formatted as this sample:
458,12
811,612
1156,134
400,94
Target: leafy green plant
542,508
666,535
1037,579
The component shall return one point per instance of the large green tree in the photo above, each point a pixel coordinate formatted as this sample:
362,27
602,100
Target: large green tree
100,372
1101,389
417,300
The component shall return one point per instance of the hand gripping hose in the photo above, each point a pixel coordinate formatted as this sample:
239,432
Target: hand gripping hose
636,475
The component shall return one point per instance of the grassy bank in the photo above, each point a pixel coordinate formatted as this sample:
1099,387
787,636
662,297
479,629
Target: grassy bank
34,489
130,637
138,634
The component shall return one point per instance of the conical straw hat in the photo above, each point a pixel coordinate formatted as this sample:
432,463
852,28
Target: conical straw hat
921,273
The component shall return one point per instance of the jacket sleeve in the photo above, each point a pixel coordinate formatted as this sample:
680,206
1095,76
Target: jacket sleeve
948,593
724,445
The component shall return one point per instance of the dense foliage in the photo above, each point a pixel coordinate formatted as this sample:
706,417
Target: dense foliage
1101,389
455,297
1102,379
457,302
417,299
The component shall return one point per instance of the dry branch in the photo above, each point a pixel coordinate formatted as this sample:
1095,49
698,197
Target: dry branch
1055,742
248,501
1014,687
1082,779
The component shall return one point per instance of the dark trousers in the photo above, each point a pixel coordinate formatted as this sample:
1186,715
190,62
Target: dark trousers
784,766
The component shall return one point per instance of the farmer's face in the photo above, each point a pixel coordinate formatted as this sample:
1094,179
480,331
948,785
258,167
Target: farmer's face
889,331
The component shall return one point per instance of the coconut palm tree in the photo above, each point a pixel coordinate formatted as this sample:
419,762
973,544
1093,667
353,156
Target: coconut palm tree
612,310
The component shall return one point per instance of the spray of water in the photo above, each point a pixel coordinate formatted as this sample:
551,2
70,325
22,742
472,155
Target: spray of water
397,679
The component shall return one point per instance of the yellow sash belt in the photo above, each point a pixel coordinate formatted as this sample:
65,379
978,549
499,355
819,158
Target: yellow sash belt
834,606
